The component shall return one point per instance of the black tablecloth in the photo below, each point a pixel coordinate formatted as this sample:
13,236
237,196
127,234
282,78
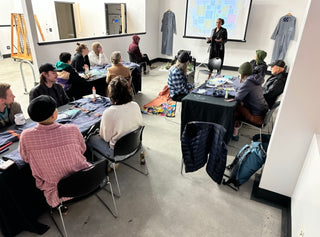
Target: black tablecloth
99,81
209,109
21,203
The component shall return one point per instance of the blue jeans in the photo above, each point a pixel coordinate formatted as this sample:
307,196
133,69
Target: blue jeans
100,145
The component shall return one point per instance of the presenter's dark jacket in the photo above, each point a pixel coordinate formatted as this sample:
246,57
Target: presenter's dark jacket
56,92
274,87
78,61
217,48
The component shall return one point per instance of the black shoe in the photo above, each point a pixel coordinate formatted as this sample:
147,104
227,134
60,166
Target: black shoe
235,138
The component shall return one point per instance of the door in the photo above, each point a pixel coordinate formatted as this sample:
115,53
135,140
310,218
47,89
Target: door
65,19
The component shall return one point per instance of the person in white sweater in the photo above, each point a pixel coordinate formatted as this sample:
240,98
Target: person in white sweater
96,56
121,118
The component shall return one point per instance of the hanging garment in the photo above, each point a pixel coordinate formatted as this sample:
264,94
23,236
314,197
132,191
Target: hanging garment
283,33
168,28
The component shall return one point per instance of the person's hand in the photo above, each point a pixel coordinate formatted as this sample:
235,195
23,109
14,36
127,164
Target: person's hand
229,100
208,39
218,40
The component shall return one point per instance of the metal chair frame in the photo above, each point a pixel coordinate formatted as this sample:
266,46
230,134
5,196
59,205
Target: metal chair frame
81,184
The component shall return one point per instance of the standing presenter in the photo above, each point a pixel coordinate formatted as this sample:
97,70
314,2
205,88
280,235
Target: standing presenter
218,38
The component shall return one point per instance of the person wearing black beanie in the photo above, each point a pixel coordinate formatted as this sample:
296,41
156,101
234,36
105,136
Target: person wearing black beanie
53,150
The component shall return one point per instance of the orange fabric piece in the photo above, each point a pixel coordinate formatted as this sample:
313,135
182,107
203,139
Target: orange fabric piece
163,97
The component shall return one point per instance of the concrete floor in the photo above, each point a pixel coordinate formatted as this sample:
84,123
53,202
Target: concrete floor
165,203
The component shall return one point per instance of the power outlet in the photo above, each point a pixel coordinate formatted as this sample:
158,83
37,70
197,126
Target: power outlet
8,47
301,233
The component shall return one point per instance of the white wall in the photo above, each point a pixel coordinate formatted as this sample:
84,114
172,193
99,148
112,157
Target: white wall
7,7
299,113
305,201
263,19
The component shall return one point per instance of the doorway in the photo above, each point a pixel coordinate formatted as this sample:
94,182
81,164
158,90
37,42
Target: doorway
65,19
116,18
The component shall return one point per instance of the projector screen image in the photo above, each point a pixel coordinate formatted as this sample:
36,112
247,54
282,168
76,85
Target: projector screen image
201,18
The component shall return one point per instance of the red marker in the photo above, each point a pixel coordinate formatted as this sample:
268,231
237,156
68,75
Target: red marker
1,148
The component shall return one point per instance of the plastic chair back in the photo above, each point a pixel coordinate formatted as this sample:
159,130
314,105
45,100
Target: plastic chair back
132,57
269,114
215,64
129,143
83,182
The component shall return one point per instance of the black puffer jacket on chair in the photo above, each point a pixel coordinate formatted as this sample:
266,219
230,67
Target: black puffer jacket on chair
200,139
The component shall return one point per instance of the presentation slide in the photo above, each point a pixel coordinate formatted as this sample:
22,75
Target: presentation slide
201,17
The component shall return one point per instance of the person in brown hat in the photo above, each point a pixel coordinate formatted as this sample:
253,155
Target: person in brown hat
48,85
275,84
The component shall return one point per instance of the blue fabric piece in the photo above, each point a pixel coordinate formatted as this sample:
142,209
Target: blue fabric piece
15,156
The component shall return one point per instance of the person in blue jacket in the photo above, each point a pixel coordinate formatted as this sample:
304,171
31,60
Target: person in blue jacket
252,105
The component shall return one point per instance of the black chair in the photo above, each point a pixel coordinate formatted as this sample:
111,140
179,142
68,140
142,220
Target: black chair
267,119
84,183
125,148
213,64
133,59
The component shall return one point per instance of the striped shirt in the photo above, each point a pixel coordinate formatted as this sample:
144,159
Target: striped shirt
53,152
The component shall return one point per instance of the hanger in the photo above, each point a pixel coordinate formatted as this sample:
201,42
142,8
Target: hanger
289,14
169,10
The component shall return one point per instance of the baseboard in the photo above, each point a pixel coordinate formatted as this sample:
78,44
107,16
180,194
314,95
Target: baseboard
6,55
276,200
224,67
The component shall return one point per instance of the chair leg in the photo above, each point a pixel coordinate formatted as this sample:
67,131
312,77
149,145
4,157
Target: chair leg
116,177
62,221
115,213
114,202
181,166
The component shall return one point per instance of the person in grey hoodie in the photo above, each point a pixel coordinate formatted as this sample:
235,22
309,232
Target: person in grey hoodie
252,105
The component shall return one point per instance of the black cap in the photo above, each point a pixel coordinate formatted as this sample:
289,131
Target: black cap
184,57
46,68
278,63
41,108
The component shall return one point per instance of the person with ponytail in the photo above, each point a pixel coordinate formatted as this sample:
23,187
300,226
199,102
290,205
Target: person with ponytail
81,60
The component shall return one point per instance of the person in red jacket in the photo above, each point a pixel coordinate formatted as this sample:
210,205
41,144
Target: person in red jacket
134,49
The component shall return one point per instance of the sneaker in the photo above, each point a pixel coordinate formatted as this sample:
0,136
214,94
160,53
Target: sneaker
235,138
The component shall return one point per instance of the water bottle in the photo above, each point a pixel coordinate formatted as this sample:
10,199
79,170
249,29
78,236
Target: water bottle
86,70
94,93
142,160
226,95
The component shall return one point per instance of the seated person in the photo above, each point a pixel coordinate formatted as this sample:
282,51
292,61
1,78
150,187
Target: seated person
114,122
48,86
81,60
8,108
96,56
117,68
252,106
134,49
177,79
274,85
258,64
74,85
53,150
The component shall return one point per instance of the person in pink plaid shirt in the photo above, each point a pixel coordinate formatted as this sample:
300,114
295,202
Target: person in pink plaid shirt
53,150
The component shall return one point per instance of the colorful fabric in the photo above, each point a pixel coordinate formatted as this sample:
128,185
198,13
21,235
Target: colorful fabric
162,105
